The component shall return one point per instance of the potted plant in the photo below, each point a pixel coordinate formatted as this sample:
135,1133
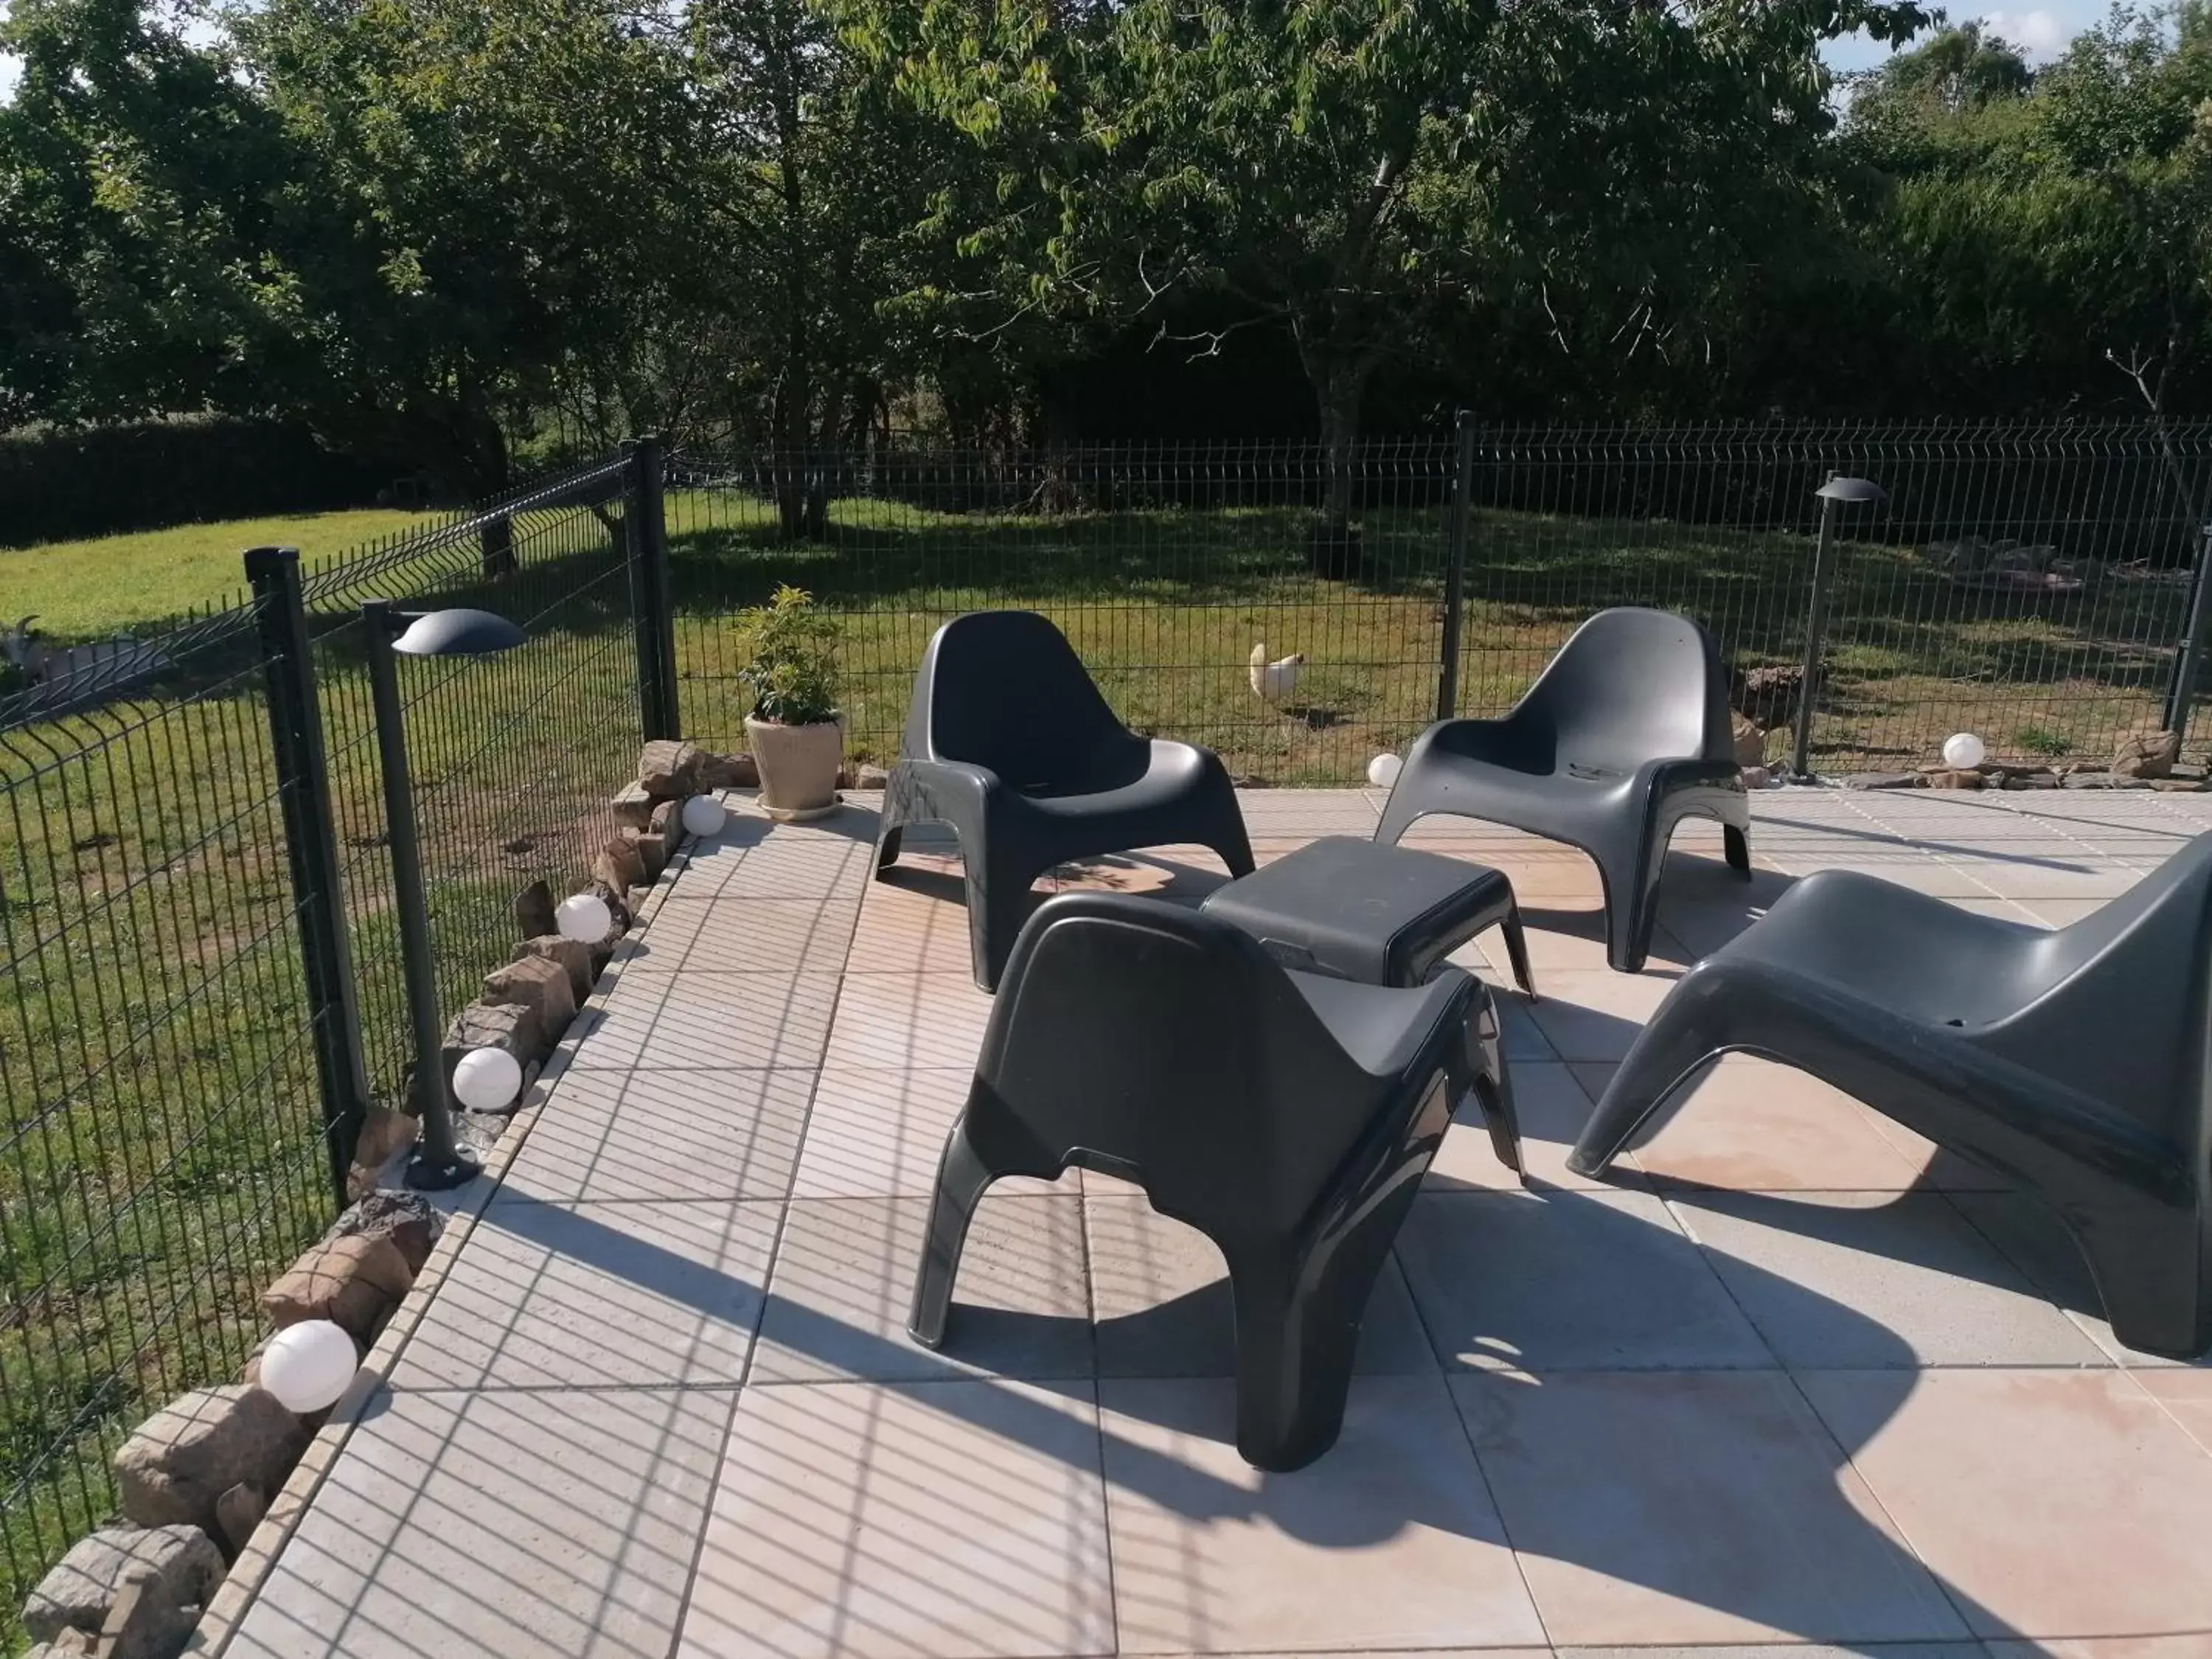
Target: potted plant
790,666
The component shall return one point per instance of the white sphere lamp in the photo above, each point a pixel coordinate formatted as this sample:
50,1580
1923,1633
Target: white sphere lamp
1964,752
307,1365
704,815
1383,771
584,916
487,1080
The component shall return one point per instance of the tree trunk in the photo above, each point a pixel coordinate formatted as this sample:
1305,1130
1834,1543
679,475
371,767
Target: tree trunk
1340,384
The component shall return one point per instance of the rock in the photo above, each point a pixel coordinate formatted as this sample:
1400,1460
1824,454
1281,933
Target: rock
2103,781
1767,696
509,1025
1750,742
180,1562
533,910
1883,780
633,808
201,1445
143,1624
863,775
2029,777
354,1282
653,849
1955,777
410,1220
728,772
70,1644
2147,755
669,769
619,864
1757,777
538,984
2178,785
573,954
384,1134
667,820
237,1513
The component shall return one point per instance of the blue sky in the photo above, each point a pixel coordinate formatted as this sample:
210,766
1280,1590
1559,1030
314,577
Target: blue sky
2042,30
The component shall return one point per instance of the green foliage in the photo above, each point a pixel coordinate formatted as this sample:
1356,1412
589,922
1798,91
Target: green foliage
2042,741
790,663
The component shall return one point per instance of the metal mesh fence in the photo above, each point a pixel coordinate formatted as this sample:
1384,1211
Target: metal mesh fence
2031,584
164,1150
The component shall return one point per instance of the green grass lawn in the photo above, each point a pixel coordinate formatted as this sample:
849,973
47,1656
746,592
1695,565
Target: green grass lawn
84,589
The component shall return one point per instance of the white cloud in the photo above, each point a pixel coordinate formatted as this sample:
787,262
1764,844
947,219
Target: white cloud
2040,33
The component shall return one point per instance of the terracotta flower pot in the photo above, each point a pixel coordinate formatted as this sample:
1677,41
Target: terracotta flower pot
798,764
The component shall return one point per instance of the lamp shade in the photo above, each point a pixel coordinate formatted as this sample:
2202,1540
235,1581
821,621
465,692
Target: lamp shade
458,633
1851,491
487,1080
307,1365
704,815
583,917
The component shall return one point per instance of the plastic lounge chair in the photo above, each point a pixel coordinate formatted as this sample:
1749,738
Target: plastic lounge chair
2074,1061
1287,1117
1008,741
1623,735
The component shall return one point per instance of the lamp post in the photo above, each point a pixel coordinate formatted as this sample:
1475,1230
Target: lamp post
1835,494
438,1162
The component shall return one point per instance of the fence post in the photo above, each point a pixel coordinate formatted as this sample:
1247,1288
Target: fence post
645,522
295,732
2181,695
1456,569
1816,628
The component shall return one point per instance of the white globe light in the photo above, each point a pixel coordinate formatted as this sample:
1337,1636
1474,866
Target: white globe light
307,1365
487,1080
1382,770
1963,750
584,916
704,815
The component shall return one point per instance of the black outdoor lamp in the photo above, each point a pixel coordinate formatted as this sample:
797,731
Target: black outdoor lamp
1837,493
438,1162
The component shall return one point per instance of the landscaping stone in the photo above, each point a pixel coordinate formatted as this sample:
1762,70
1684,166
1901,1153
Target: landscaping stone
1757,777
2147,755
618,865
616,900
533,910
352,1282
2178,785
538,984
634,806
179,1561
508,1025
1883,780
863,775
70,1644
141,1625
669,769
410,1220
2028,777
653,849
237,1513
1955,777
385,1133
728,772
667,820
573,954
182,1459
1750,742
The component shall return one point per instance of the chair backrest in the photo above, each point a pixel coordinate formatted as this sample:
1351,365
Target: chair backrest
1004,688
1175,1047
2118,1006
1632,685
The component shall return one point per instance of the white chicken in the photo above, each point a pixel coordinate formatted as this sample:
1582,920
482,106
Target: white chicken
1272,682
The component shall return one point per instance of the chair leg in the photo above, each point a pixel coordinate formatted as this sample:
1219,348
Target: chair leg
1234,852
1517,951
961,1177
1631,901
997,905
1491,1085
887,846
1666,1056
2150,1263
1294,1356
1736,845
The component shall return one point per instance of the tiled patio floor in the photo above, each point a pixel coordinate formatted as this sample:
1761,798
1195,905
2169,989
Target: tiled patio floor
1790,1380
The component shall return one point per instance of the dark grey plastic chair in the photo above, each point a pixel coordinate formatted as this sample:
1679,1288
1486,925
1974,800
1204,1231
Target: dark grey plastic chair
2074,1061
1623,735
1287,1117
1008,741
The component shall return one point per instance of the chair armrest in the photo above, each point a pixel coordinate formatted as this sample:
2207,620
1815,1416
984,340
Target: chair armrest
1468,738
1690,771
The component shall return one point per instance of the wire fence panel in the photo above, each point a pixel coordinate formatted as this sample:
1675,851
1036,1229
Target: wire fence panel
2031,583
1167,567
163,1150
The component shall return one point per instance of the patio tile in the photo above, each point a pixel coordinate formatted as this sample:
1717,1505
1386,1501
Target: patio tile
1691,1508
2051,1502
929,1020
1753,1126
1565,935
1553,1106
902,933
879,1134
964,1519
1792,1650
1389,1540
1568,1281
1862,1280
1160,1295
1595,1016
2187,1396
663,1135
844,1284
2031,1237
827,869
1939,1170
2196,1646
751,936
1537,878
694,1022
1522,1038
592,1295
540,1525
